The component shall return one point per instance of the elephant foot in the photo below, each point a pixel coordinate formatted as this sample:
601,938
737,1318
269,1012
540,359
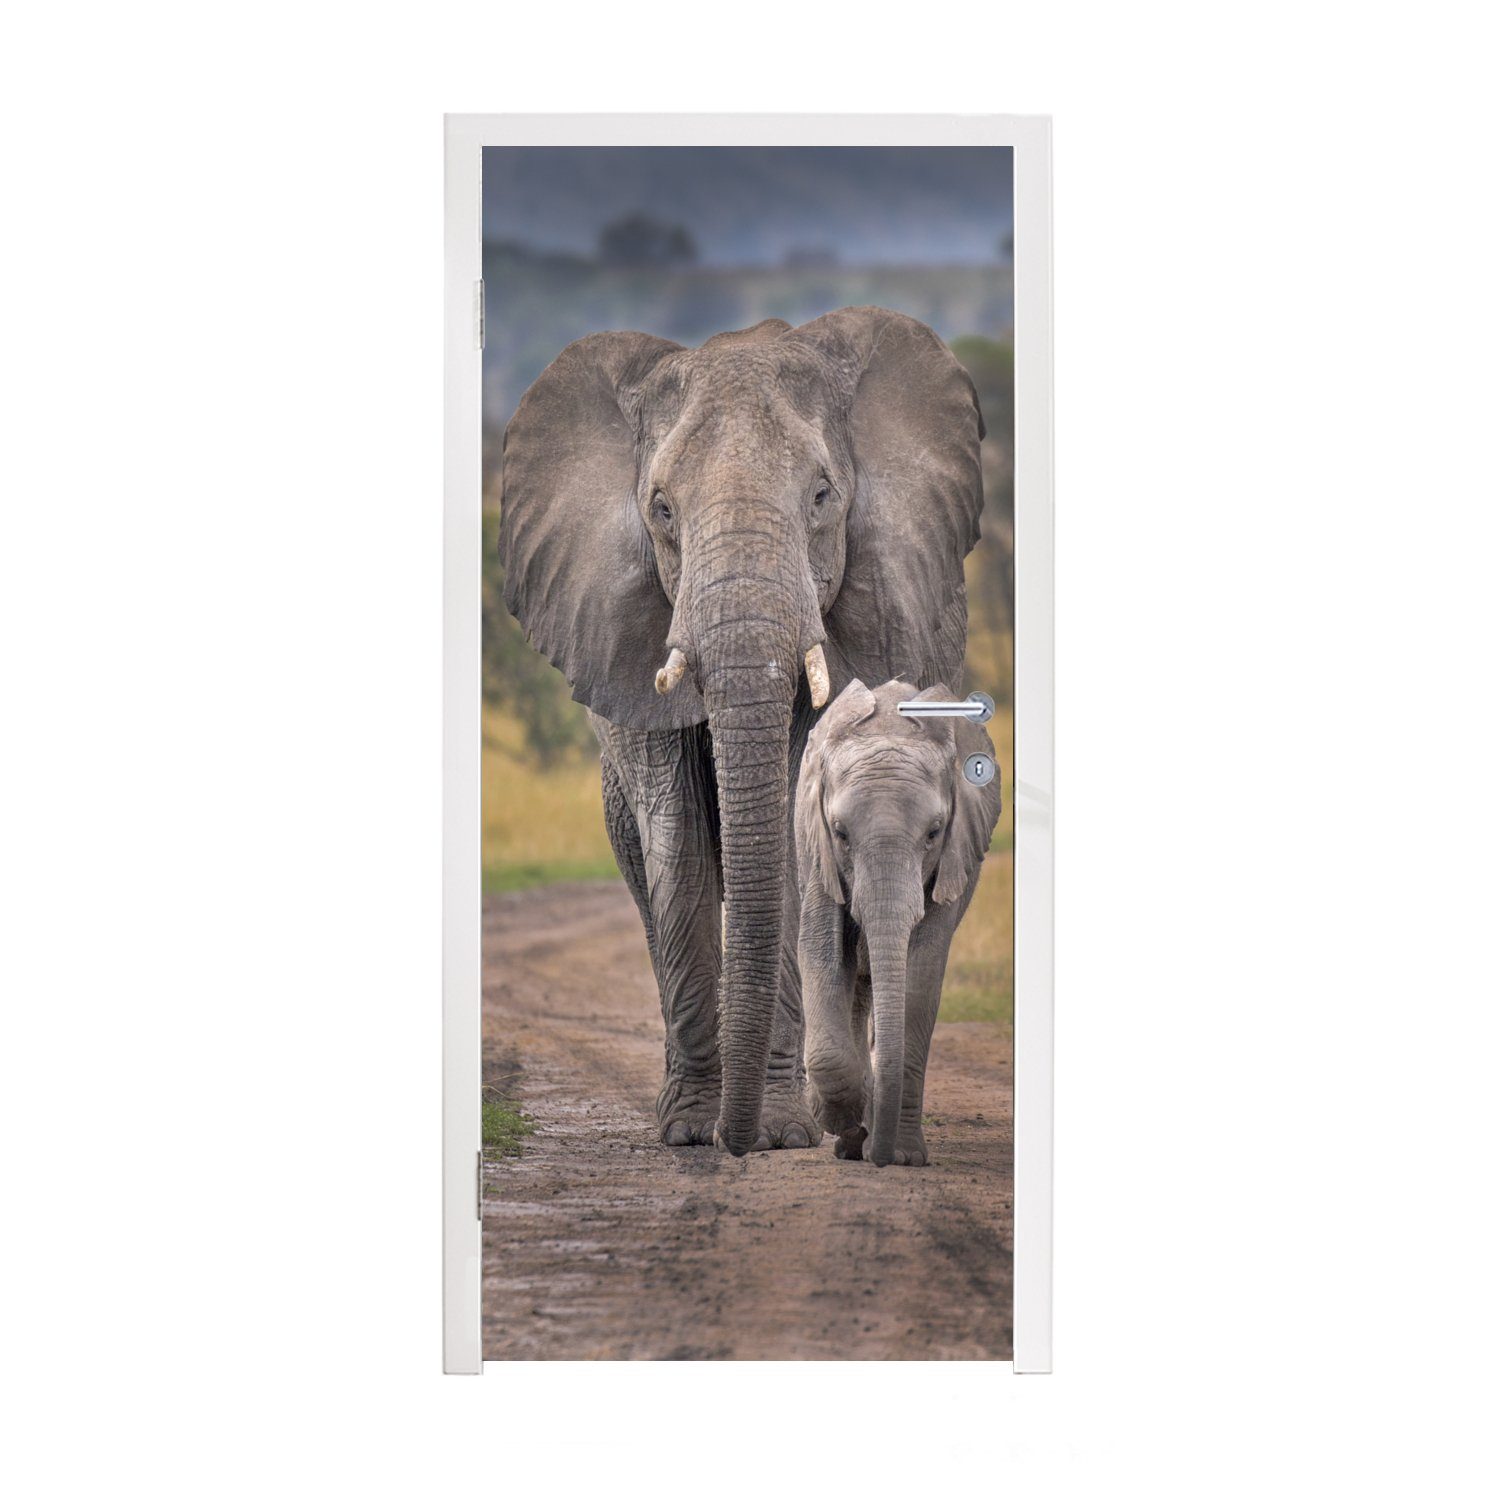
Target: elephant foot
839,1113
786,1122
911,1149
687,1111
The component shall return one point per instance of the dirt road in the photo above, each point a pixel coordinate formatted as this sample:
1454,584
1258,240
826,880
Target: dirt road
600,1243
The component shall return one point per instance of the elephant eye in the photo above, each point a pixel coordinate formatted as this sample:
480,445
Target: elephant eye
661,512
937,828
822,495
840,832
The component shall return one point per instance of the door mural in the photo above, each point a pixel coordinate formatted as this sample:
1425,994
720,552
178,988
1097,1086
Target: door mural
747,933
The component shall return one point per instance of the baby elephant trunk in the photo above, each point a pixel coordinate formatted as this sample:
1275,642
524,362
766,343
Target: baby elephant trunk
888,981
887,919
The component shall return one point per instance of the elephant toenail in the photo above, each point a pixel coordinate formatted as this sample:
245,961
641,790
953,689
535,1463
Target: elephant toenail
679,1133
794,1136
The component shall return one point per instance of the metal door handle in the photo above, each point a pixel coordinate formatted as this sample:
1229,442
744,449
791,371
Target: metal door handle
978,708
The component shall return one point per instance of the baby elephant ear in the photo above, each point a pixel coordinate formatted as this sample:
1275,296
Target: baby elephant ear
815,855
976,810
580,574
852,706
914,430
815,862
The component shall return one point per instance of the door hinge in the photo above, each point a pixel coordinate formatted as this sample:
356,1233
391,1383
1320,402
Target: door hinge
479,1186
479,311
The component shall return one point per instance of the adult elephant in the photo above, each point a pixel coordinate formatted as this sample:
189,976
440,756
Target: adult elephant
686,534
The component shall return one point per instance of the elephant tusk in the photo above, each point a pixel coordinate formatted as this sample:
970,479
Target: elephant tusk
671,674
817,675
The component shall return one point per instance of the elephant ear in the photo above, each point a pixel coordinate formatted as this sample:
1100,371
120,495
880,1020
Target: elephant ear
914,430
580,573
815,857
976,810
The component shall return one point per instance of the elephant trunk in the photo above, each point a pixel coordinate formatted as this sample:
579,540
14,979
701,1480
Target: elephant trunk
749,671
888,981
886,914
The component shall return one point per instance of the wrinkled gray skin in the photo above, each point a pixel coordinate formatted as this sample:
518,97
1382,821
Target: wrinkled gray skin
740,503
890,838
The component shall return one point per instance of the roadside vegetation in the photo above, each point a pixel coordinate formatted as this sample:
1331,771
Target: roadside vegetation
542,820
980,984
503,1126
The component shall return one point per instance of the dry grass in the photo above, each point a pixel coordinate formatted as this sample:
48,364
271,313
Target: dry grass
981,980
538,826
980,985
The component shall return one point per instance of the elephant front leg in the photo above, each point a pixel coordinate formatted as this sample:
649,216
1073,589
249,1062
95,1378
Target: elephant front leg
786,1115
845,1111
682,887
661,829
837,1007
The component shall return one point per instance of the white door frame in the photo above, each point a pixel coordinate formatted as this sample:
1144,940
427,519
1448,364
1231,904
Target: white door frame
465,137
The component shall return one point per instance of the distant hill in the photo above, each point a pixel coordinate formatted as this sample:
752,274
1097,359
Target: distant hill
535,304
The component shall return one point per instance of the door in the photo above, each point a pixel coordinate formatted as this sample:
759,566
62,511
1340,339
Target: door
742,567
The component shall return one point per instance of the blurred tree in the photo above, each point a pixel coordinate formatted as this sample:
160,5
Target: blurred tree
991,569
639,240
991,366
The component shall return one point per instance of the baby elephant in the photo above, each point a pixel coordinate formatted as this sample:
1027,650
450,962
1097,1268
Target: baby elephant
890,836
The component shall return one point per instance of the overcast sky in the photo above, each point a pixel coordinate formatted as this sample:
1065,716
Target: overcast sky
749,205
